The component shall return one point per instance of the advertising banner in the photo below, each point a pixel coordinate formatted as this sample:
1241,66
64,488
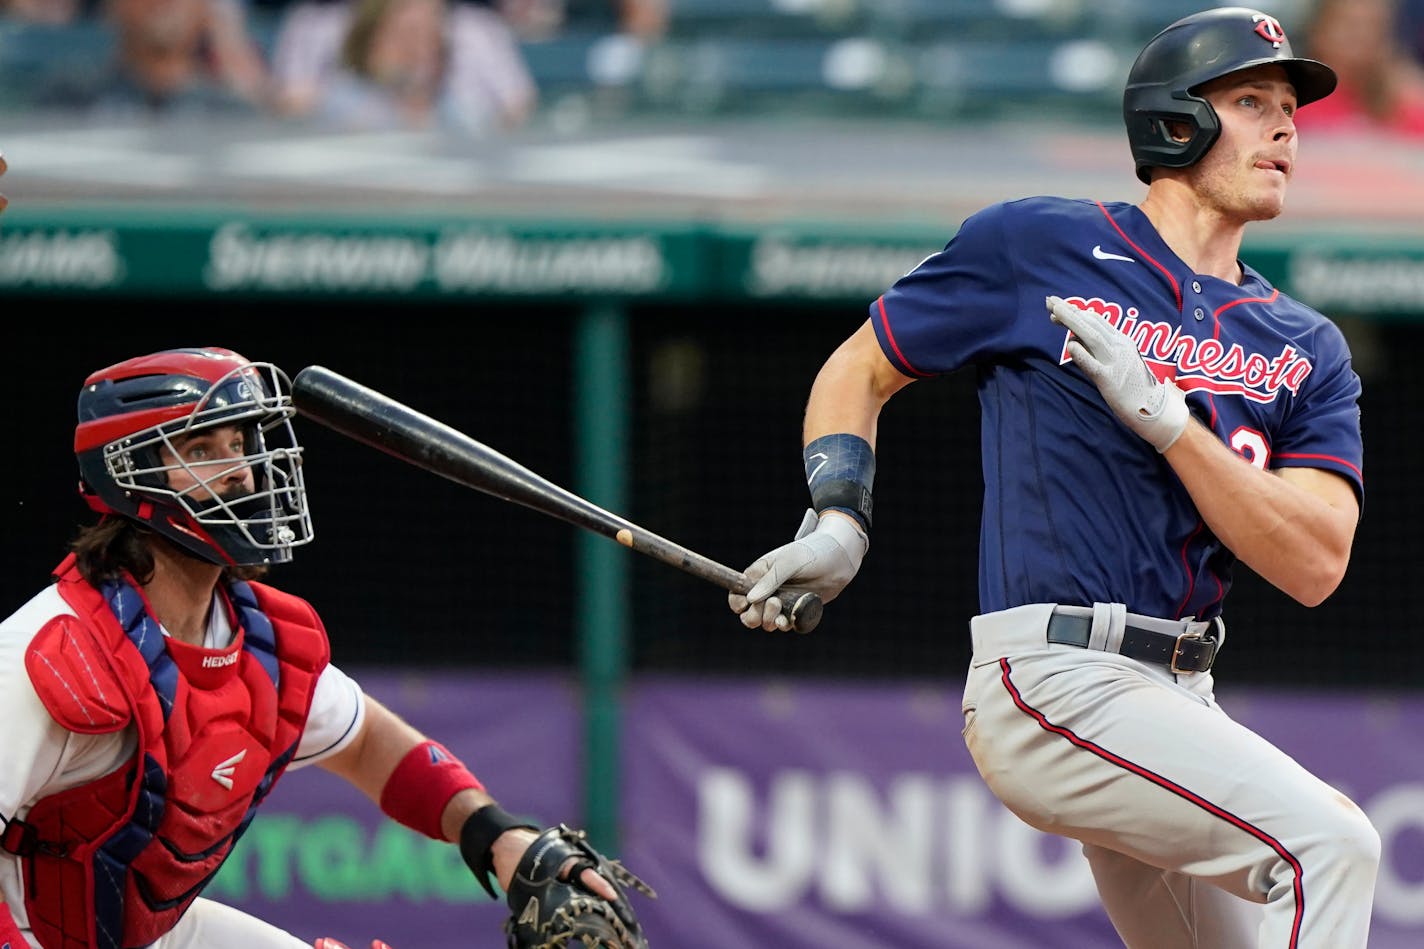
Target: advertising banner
344,256
776,815
802,816
284,256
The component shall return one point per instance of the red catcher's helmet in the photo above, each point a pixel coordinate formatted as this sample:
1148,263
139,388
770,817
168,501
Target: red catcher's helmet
130,415
1162,84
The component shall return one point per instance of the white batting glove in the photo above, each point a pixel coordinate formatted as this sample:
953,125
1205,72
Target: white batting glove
822,559
1153,409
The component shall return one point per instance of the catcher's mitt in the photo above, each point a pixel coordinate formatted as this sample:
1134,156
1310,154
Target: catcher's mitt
550,913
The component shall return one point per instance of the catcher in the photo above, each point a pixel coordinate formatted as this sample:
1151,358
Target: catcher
155,692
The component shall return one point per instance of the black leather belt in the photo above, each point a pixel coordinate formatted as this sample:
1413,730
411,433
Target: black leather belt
1188,652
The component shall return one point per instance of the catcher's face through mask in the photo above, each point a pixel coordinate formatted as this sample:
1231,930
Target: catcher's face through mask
208,464
198,445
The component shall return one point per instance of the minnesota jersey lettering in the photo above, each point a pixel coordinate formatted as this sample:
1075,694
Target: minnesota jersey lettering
1255,362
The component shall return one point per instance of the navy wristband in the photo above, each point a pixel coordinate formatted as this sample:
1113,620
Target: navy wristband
840,473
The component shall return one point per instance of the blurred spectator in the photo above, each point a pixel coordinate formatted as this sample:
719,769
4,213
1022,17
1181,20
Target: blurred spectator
307,50
1381,82
646,19
171,57
390,64
47,12
530,19
542,19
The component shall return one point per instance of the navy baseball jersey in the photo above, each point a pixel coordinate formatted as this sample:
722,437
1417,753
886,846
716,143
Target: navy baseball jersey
1077,508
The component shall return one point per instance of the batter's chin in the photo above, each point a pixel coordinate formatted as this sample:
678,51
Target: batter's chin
1267,211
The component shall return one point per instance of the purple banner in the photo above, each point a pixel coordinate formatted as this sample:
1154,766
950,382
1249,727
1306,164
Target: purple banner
1371,746
803,816
322,860
775,814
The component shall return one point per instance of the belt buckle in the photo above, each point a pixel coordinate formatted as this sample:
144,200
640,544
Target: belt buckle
1177,651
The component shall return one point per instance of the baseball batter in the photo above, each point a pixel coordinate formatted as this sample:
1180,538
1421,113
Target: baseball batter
1152,411
153,694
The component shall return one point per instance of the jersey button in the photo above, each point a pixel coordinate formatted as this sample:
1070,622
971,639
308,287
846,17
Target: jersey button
1199,313
1196,286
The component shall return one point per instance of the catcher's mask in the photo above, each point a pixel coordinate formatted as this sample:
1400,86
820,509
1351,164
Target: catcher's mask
1162,84
135,418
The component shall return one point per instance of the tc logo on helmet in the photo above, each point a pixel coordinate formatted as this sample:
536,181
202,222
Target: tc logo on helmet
1270,29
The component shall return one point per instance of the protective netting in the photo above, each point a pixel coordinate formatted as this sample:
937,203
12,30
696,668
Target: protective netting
409,569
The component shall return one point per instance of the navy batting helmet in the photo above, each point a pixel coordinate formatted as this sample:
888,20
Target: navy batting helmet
1162,85
135,417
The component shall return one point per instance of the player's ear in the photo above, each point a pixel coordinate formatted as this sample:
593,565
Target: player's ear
1178,131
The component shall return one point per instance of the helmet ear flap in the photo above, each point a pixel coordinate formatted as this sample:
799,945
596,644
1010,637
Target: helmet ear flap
140,464
101,471
1156,141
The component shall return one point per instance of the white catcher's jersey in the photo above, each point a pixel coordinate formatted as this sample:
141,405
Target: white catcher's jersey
39,758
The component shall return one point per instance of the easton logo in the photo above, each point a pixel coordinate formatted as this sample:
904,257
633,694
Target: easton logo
1205,365
1269,29
217,662
223,773
530,916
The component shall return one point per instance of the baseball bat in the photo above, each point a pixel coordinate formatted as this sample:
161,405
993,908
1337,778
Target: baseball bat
383,423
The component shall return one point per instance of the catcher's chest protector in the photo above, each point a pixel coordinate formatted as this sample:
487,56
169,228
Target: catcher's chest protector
110,864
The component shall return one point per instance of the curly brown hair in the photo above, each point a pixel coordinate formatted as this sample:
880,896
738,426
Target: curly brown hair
117,546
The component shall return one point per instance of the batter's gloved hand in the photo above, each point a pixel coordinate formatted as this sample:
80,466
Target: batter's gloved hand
1154,409
552,907
823,558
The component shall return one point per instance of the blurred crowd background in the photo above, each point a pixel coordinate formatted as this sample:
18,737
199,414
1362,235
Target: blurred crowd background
481,66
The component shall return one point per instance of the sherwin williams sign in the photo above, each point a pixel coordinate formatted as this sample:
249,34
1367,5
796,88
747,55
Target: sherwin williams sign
225,254
217,253
777,815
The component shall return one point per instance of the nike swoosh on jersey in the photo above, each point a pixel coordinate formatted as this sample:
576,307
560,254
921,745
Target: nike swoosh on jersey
1101,254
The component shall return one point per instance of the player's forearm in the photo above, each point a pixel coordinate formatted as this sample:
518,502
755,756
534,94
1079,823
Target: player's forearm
851,389
367,762
1295,538
460,808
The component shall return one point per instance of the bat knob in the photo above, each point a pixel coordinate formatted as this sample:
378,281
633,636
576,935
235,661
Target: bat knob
805,613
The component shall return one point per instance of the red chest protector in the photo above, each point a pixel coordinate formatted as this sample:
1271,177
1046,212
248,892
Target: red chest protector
113,864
